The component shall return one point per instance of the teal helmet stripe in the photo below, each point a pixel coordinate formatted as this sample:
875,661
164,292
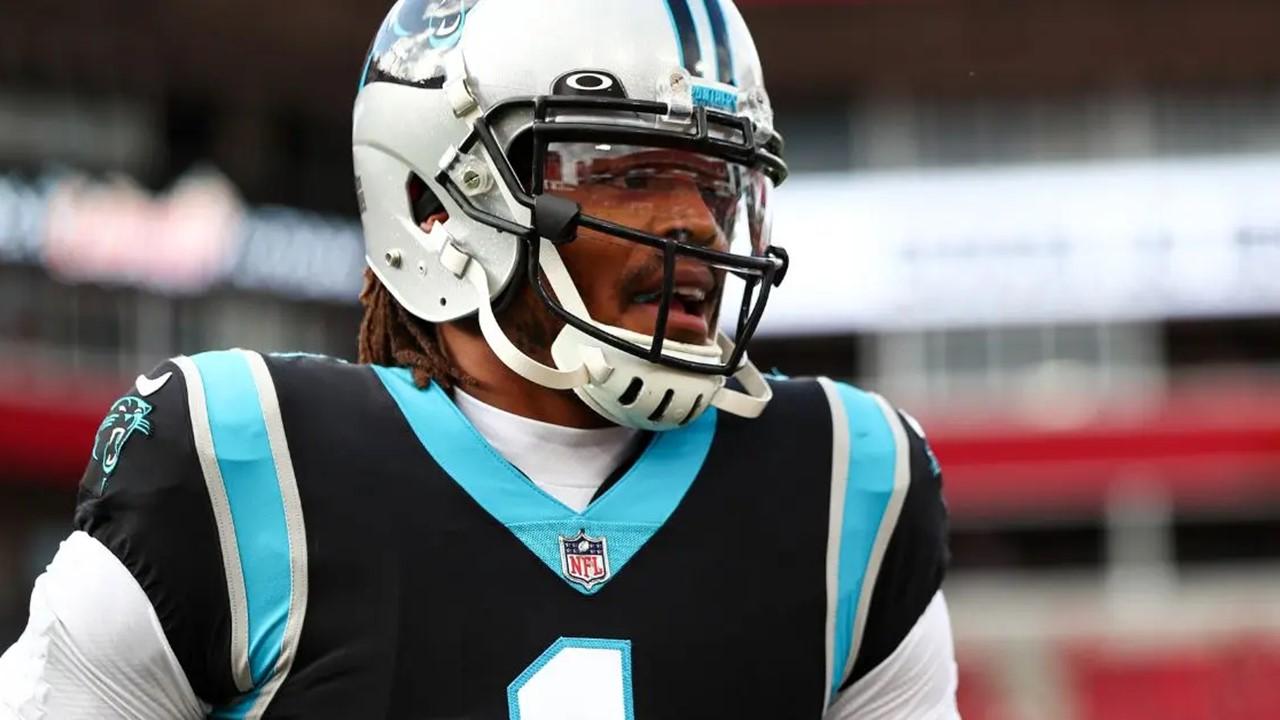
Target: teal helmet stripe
687,45
364,74
720,36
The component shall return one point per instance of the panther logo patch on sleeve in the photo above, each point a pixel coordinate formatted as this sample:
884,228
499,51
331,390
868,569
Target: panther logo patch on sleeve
128,414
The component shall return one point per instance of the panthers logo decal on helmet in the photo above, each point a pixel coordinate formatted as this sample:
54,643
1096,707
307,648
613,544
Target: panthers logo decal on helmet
128,414
417,34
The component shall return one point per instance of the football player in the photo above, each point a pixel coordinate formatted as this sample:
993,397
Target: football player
552,489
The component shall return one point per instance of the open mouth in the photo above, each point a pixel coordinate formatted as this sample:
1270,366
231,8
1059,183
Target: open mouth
689,313
686,299
112,450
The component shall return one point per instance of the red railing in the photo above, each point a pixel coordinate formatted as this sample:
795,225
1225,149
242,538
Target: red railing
1214,446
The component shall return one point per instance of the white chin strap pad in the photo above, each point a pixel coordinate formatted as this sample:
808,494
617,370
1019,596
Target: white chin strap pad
621,387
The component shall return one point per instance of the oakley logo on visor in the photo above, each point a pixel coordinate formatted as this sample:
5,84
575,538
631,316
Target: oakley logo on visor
595,83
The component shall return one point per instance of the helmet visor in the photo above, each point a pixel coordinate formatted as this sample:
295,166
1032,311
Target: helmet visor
694,199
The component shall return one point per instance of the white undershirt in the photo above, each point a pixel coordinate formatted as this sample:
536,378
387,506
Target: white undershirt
569,464
70,664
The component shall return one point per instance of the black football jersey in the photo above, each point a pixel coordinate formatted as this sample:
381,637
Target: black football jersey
325,540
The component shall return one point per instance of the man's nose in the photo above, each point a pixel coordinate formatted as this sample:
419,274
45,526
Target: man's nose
685,217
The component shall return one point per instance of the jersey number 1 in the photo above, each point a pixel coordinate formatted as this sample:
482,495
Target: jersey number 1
575,679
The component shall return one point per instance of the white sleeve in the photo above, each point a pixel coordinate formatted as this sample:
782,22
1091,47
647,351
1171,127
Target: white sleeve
916,682
93,648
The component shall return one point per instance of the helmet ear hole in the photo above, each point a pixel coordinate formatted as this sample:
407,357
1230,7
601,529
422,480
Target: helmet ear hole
632,392
422,202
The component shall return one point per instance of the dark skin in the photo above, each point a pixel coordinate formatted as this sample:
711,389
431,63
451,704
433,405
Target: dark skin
610,274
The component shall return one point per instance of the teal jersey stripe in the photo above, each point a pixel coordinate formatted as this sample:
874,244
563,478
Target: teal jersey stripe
239,709
463,453
628,515
872,460
257,509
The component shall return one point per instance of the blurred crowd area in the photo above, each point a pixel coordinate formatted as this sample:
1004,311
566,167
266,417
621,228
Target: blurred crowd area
1050,230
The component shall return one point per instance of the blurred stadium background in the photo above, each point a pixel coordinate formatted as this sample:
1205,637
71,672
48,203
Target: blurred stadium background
1049,229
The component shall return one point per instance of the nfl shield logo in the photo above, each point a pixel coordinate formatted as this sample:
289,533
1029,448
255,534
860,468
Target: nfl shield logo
584,559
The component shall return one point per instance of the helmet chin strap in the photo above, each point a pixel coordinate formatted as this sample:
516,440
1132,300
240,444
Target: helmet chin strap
747,404
593,366
462,265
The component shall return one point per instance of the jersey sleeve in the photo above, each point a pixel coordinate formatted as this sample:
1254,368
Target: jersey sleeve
93,647
887,533
915,560
917,680
144,497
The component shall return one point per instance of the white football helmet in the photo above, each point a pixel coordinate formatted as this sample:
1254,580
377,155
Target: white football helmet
482,108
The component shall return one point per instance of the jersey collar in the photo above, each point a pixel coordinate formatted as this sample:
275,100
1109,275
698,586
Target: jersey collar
625,517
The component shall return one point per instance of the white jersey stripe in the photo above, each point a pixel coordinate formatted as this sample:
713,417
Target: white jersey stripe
835,522
296,528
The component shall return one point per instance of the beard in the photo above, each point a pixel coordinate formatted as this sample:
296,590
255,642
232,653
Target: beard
530,325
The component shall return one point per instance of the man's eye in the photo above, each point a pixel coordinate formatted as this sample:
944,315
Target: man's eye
719,202
636,182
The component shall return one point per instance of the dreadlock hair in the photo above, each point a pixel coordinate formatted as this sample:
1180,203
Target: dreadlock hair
393,336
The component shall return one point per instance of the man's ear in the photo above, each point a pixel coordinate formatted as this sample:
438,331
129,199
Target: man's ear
432,219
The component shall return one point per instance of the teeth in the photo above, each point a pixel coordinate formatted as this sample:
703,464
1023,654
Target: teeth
696,294
683,292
